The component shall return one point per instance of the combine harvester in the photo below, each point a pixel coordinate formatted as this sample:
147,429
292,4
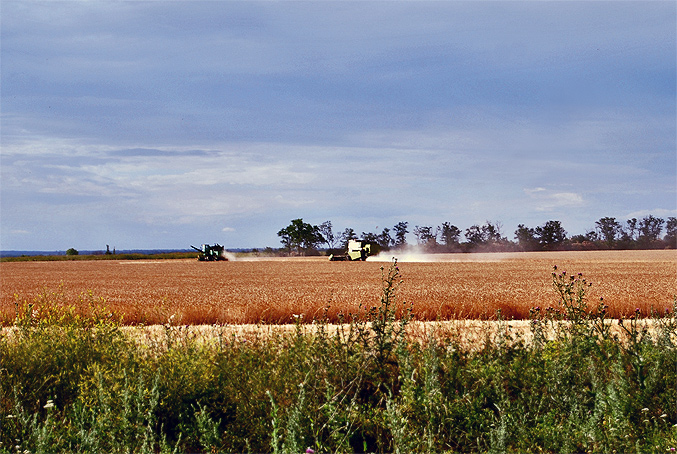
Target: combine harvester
357,250
210,253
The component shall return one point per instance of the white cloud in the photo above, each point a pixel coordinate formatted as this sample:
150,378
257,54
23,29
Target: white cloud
547,200
658,212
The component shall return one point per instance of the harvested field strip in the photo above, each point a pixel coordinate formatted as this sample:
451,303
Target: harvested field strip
456,286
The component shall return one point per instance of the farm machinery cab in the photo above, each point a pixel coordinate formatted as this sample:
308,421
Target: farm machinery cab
210,253
357,250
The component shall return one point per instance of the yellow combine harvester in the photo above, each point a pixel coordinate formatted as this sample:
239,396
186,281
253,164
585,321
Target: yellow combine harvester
357,250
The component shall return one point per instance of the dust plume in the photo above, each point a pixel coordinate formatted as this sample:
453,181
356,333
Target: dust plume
419,254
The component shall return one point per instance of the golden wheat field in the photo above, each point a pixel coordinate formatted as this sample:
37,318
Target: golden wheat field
451,286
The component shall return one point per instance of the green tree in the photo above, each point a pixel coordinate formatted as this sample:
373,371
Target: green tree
629,234
300,237
551,235
449,235
385,240
327,232
671,232
489,233
72,251
609,230
426,235
492,232
401,233
474,235
526,238
650,228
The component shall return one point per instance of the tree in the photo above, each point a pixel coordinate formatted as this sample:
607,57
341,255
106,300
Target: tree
609,230
385,240
671,235
474,235
72,251
347,235
425,235
449,235
526,238
300,236
401,234
489,233
492,232
650,229
629,234
551,235
327,233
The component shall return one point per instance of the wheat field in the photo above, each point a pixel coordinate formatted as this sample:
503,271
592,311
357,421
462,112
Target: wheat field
279,291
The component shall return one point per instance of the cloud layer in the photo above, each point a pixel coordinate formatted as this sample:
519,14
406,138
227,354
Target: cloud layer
158,124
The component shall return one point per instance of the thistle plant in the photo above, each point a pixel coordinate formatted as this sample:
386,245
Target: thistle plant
571,290
387,329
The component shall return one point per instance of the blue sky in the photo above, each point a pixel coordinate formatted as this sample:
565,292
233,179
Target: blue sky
162,124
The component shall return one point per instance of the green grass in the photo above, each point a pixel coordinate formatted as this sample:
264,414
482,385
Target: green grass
74,384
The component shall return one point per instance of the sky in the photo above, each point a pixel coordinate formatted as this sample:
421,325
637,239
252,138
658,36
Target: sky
161,124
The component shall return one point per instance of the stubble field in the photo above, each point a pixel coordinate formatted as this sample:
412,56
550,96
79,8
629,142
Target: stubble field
278,291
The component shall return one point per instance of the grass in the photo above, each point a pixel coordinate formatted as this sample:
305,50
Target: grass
75,381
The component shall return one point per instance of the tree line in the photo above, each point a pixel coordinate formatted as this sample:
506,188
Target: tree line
302,238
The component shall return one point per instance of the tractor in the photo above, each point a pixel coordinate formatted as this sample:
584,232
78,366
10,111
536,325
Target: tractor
210,253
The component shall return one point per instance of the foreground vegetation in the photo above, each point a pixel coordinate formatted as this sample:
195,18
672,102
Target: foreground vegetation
74,384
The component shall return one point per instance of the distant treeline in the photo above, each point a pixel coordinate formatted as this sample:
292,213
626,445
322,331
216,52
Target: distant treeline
649,232
73,254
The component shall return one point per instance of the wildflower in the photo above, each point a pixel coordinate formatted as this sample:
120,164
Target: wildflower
645,409
49,404
309,451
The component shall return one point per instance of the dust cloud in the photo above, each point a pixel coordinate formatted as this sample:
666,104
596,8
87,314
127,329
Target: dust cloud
418,254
